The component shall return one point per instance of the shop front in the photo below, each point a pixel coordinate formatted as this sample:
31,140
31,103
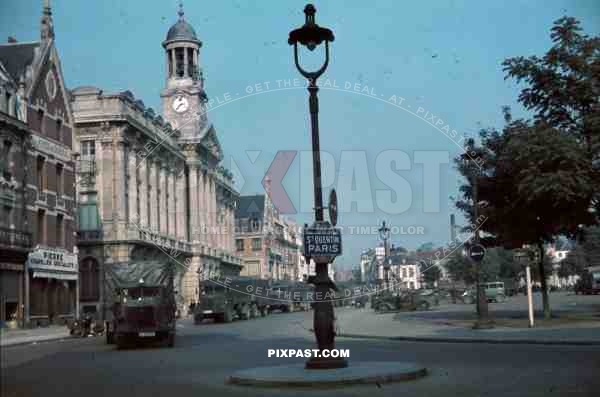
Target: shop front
51,287
11,295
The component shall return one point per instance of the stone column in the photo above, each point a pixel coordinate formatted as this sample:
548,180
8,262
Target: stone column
190,283
173,62
162,201
153,195
211,210
119,203
202,207
134,211
172,204
180,205
185,62
103,180
194,221
144,199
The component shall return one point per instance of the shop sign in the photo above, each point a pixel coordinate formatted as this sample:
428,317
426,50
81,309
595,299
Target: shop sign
52,259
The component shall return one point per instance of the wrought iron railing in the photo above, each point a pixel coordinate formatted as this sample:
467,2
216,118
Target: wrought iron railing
89,235
15,238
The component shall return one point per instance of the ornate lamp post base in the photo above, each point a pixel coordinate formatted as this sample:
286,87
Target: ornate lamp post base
324,320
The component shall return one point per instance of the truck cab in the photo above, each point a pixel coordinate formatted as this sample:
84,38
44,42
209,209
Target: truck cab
141,312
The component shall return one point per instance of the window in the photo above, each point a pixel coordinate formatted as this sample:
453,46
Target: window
88,148
5,168
88,216
256,244
59,130
59,230
239,245
89,280
404,272
41,121
41,175
5,219
41,227
411,272
59,181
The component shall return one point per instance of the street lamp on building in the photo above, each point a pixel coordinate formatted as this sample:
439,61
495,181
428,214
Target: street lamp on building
311,36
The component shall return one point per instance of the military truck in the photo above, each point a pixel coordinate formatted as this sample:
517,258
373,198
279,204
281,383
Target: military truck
231,297
409,300
140,302
290,296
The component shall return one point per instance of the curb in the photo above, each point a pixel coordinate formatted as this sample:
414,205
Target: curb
9,343
475,340
325,379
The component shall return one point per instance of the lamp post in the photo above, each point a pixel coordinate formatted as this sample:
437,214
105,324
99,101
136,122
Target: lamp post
384,234
311,36
483,320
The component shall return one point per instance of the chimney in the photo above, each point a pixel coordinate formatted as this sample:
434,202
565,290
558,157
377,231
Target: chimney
452,228
11,39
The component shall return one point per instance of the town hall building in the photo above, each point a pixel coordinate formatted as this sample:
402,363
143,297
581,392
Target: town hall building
153,186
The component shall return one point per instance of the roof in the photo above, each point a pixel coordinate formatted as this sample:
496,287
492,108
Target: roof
182,31
17,56
251,206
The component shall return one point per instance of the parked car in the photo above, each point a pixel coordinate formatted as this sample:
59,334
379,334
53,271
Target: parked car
494,292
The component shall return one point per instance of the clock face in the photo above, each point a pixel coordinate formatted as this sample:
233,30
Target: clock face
180,104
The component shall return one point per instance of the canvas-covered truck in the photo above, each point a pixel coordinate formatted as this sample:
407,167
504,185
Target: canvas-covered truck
140,302
290,296
232,297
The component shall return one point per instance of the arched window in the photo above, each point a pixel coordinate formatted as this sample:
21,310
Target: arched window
89,280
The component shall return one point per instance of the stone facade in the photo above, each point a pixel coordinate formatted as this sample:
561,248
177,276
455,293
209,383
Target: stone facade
153,186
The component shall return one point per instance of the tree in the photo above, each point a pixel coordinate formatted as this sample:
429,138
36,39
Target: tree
591,245
574,263
460,268
425,247
431,273
563,87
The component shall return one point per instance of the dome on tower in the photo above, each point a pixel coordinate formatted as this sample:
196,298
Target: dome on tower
181,30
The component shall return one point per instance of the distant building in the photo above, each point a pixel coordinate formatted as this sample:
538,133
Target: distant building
267,244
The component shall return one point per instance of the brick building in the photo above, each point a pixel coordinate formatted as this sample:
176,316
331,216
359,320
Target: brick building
38,266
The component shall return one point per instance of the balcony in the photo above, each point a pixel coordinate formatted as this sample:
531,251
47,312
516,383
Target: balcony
89,235
42,197
14,238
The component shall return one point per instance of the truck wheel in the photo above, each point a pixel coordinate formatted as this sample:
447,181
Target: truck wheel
227,316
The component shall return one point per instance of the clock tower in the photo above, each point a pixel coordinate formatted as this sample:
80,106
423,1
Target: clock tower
183,96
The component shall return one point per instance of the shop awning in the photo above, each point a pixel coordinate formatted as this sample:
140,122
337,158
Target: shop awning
58,276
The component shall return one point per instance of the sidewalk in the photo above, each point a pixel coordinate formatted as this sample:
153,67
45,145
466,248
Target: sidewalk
9,337
364,323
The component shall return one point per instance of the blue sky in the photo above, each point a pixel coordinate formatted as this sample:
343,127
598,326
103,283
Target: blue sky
443,56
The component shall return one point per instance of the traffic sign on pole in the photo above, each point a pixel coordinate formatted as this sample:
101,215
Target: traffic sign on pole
476,252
